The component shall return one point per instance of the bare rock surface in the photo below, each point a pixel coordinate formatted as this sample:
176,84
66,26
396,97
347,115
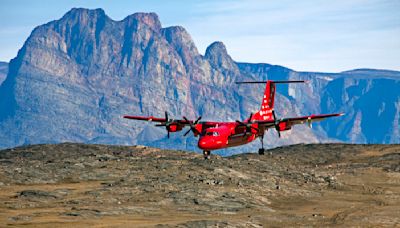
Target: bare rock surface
98,185
3,71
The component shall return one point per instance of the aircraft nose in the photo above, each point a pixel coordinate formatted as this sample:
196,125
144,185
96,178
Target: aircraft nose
206,143
211,143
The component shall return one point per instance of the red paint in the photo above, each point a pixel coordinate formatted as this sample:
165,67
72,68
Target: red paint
219,135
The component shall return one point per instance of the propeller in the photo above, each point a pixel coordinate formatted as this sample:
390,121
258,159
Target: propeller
248,125
167,123
192,126
309,122
276,123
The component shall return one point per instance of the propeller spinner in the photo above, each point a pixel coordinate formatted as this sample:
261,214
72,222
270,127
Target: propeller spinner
192,126
167,123
276,123
248,125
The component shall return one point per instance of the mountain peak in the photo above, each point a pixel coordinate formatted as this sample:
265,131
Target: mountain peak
216,48
181,39
149,19
218,56
83,12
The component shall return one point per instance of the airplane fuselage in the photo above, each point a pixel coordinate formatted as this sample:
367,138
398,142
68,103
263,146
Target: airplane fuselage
225,135
220,135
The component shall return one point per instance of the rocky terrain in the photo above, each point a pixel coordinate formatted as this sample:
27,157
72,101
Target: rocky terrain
3,71
300,185
75,77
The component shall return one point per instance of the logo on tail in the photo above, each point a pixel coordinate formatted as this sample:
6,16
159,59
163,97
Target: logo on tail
267,104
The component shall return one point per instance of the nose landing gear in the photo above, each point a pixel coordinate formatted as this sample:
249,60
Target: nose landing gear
207,154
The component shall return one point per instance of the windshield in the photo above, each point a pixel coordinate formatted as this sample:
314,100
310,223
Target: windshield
212,133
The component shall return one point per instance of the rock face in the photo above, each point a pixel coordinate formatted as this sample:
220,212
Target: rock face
75,77
370,99
374,107
3,71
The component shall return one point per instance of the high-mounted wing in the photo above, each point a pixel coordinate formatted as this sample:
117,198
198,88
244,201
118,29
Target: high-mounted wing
310,119
146,118
171,125
174,125
287,123
161,120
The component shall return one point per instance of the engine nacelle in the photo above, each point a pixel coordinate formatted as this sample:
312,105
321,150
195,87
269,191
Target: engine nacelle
175,127
284,126
199,128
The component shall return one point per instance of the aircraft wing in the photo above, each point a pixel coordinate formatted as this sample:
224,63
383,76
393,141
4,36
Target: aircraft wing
157,119
174,125
146,118
288,122
311,118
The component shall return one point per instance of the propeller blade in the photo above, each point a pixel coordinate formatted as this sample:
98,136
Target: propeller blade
309,122
251,115
167,123
276,123
273,114
198,119
187,132
241,123
192,126
195,130
256,129
248,125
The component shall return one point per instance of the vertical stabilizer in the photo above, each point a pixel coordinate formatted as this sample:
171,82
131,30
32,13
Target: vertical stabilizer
267,104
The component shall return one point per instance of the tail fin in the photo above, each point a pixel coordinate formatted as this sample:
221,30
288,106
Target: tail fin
267,104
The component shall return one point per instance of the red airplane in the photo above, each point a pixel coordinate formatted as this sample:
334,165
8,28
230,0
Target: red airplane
219,135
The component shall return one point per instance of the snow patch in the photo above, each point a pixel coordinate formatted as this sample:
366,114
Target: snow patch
325,78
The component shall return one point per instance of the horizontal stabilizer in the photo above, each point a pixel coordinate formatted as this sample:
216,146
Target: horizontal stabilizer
275,82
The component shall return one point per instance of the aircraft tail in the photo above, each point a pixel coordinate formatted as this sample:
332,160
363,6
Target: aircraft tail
267,104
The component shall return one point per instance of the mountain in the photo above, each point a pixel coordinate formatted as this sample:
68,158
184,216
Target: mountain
3,71
75,77
315,185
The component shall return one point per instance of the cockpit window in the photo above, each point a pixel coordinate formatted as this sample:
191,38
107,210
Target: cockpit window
212,133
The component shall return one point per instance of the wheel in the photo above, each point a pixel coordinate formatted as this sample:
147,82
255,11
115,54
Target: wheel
261,151
206,154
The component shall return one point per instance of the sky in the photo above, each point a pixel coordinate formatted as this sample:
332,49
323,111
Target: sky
309,35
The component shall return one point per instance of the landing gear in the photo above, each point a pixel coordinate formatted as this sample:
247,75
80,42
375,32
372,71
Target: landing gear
206,154
261,150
